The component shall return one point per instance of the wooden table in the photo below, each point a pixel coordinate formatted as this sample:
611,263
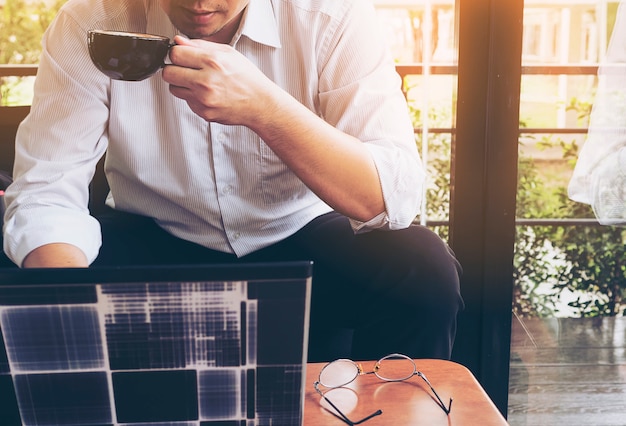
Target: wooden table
405,403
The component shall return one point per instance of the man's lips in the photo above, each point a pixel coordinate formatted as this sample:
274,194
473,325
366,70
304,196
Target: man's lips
198,16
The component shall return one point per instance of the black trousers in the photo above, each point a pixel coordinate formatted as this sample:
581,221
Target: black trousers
374,293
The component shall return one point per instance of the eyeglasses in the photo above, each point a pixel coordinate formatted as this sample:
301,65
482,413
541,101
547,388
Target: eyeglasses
341,372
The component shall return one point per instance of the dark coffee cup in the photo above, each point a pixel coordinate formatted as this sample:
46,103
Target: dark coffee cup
127,56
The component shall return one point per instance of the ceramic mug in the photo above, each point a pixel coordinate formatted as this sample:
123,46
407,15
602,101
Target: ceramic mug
126,55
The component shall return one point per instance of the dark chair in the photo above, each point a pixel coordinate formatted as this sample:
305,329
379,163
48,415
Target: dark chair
5,180
10,118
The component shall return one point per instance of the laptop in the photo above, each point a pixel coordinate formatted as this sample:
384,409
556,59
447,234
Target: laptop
170,345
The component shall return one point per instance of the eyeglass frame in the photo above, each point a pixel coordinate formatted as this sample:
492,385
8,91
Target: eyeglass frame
361,372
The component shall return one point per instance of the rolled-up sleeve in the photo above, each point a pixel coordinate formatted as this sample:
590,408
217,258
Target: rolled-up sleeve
360,93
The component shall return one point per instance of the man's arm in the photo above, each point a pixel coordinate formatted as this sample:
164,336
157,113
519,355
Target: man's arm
333,164
221,85
56,255
56,151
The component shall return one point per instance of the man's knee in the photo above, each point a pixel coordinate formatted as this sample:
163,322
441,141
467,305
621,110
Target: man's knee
418,270
419,260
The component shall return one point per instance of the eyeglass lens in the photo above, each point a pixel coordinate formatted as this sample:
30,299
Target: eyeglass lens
339,373
402,368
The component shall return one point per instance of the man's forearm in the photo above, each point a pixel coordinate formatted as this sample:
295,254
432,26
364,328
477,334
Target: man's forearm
334,165
56,255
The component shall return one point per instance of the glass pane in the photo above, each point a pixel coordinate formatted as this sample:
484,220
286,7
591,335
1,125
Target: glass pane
421,34
568,347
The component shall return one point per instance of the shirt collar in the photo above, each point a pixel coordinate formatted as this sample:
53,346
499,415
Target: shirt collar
259,23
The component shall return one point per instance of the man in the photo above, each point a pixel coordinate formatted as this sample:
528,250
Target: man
278,132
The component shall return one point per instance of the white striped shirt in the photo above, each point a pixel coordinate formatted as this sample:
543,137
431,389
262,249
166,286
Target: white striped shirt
217,185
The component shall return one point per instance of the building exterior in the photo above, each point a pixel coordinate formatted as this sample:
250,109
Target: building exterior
555,31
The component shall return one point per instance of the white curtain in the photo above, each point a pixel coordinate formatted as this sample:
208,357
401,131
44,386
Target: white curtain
599,177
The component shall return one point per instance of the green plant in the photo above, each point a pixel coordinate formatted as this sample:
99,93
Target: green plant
583,262
597,255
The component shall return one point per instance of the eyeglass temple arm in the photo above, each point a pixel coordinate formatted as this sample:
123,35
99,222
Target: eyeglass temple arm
364,419
342,416
440,402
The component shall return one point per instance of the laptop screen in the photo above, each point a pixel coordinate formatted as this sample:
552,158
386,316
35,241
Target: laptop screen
185,345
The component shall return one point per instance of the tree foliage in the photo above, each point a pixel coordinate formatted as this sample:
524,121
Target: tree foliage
584,263
21,28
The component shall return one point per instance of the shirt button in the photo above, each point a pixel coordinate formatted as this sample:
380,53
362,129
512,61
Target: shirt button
221,137
236,235
228,189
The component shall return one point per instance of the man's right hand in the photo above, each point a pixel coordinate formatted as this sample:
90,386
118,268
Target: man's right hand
56,255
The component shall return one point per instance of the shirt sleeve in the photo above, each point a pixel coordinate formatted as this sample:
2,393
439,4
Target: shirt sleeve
360,94
57,148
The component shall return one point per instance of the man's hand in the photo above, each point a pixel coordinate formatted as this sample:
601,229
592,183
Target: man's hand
56,255
218,82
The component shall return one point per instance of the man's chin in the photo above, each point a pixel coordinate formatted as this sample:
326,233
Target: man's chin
193,32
